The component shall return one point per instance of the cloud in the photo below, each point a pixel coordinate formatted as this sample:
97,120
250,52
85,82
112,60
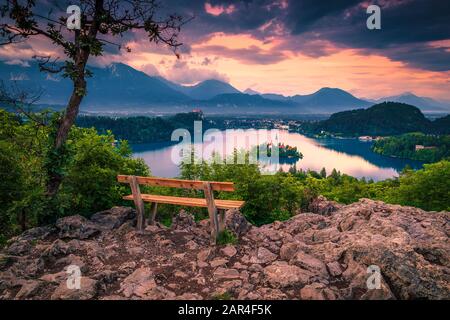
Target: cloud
19,62
220,9
150,69
182,73
206,61
250,55
407,28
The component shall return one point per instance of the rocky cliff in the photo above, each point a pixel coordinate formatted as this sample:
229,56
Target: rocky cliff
324,254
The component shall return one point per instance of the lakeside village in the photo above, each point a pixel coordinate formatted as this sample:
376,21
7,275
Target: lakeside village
291,125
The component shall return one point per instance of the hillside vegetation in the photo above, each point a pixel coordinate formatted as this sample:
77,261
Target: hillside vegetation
92,161
404,146
140,129
384,119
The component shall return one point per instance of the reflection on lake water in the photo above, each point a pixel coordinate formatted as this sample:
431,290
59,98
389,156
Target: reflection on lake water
349,156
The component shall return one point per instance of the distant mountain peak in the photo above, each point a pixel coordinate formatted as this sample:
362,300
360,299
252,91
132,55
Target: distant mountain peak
424,103
251,91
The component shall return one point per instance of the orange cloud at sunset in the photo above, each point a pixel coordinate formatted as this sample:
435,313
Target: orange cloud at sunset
235,57
292,47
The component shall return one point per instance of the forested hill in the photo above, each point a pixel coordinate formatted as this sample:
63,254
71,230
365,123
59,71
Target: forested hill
141,129
387,118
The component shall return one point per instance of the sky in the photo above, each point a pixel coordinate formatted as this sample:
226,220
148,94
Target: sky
294,46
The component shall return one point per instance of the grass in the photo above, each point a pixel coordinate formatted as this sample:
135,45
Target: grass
222,296
226,237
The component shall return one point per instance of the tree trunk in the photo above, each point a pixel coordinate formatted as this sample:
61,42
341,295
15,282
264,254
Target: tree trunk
79,90
23,220
54,177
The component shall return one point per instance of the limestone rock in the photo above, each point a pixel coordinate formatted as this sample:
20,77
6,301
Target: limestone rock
138,283
76,227
28,289
281,275
324,207
229,251
183,221
114,217
87,290
236,222
224,273
329,254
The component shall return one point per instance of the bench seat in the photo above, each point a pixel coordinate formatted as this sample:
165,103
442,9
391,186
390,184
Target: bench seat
189,202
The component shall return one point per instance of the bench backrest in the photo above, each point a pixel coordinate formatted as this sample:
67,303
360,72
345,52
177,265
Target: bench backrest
178,183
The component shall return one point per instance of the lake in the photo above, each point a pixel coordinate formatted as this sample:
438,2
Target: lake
349,156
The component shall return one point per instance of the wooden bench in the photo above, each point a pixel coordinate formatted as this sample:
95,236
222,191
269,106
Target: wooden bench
216,207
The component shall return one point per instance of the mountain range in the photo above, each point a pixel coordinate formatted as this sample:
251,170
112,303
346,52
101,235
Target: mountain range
119,87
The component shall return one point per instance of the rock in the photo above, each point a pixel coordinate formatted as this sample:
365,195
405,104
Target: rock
263,256
204,255
231,285
288,251
255,268
239,265
54,277
7,260
281,275
29,289
192,245
310,263
189,296
158,293
38,233
114,217
218,262
229,251
180,274
322,206
88,290
224,274
73,260
139,283
310,256
236,222
271,294
316,291
334,268
56,249
76,227
19,248
183,221
153,229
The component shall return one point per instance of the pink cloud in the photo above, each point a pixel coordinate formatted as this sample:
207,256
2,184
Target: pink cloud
219,9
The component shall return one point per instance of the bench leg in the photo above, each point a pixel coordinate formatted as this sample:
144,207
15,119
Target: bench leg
221,219
212,210
153,210
140,209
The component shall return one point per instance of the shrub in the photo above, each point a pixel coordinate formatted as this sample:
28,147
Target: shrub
226,237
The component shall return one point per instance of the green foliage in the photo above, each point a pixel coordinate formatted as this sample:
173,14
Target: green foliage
387,118
404,146
141,129
222,296
428,188
226,237
94,164
90,166
280,196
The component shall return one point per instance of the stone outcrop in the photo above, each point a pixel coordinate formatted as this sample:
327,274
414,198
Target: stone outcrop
333,252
